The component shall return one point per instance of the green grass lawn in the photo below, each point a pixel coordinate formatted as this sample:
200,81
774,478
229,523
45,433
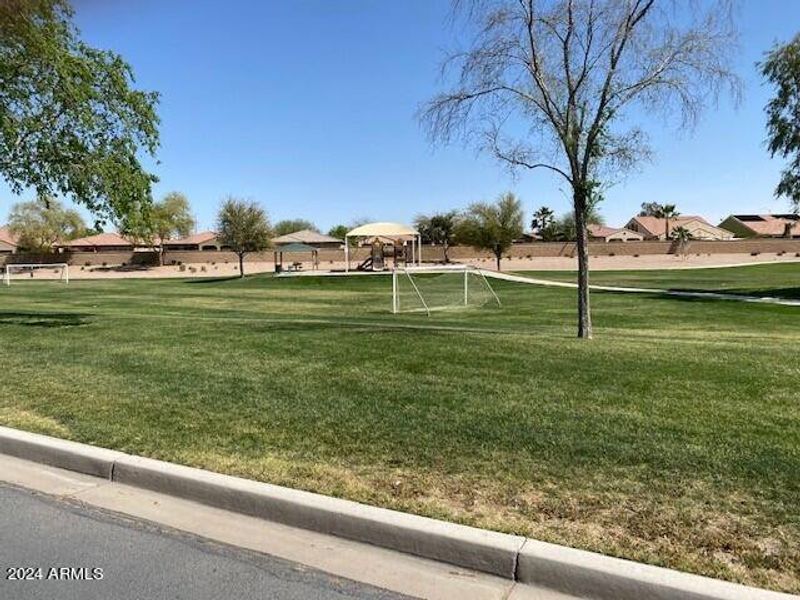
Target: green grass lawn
672,438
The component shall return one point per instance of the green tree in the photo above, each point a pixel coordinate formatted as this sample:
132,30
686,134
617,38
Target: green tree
169,218
558,85
565,227
338,231
244,227
43,222
781,68
438,228
650,209
292,225
668,212
70,120
492,227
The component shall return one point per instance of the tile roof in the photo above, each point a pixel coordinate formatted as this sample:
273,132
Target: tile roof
772,225
8,237
656,225
101,239
306,236
194,239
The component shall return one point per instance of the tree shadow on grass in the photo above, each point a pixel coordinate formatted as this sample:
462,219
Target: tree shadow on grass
202,280
787,293
48,320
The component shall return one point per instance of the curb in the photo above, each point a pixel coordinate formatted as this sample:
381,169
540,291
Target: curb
559,568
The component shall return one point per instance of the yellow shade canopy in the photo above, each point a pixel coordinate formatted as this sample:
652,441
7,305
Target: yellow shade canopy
384,230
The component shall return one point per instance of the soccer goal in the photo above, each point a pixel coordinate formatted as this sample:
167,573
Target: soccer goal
18,271
427,289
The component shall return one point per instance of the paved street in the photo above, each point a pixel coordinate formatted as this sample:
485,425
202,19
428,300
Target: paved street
140,560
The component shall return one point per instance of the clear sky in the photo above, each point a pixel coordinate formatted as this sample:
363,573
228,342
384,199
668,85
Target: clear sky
307,106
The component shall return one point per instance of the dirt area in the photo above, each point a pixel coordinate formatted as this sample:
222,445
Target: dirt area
598,263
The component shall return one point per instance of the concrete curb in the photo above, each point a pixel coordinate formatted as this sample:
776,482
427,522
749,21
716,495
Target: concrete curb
559,568
64,454
477,549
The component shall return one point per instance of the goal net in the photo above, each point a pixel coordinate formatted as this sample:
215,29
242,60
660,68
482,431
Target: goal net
428,289
49,271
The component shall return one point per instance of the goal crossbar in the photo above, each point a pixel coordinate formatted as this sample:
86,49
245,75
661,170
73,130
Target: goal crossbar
30,266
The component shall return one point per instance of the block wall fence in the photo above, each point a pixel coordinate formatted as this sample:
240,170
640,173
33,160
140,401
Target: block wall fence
429,253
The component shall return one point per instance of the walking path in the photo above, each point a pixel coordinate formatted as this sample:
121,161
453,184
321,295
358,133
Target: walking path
635,290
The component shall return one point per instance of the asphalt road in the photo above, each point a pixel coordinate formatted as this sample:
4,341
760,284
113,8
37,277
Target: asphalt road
61,550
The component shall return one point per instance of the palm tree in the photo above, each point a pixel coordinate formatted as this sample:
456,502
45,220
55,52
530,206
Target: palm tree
542,219
667,212
682,237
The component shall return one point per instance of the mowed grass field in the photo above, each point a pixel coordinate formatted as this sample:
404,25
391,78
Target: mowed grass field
672,438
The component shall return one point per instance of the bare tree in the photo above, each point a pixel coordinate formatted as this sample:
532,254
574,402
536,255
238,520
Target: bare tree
548,84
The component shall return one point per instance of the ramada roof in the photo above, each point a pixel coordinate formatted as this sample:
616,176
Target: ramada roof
306,236
99,240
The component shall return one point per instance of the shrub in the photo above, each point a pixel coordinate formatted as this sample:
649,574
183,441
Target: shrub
181,268
755,253
635,256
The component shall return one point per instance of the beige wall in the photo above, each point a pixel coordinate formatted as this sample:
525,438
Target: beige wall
430,253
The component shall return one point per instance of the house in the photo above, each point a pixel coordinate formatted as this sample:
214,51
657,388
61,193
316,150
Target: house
310,238
653,228
102,242
781,225
601,233
205,240
8,241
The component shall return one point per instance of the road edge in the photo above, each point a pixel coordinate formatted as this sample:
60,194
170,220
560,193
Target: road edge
516,558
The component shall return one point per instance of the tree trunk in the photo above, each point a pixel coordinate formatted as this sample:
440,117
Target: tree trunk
446,248
582,238
161,256
498,254
241,265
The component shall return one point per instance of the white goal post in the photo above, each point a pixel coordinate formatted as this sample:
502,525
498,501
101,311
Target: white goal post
429,288
63,269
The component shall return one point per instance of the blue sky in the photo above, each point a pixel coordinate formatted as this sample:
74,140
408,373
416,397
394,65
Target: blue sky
307,106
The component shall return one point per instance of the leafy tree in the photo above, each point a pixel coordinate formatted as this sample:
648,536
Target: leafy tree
565,228
42,223
292,225
244,227
668,212
492,226
70,121
650,209
439,228
555,84
172,217
338,231
781,68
